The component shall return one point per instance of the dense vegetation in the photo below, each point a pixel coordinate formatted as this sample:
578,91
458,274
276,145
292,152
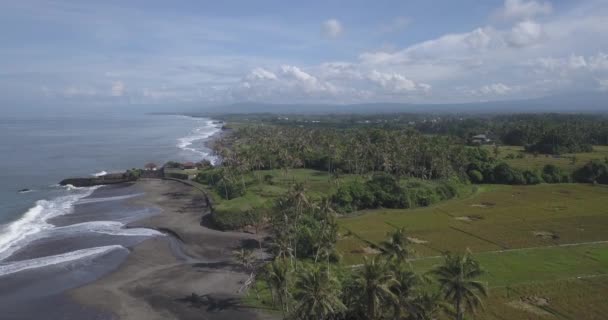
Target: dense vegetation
304,282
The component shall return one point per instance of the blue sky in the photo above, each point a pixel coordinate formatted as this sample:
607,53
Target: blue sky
213,52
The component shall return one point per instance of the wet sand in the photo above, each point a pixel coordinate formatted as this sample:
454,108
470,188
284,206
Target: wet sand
160,275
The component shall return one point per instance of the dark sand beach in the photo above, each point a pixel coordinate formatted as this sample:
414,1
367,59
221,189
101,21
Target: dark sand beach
160,274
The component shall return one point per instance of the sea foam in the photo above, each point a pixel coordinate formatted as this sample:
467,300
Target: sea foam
200,133
20,232
79,255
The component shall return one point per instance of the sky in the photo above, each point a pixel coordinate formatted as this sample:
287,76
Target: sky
116,52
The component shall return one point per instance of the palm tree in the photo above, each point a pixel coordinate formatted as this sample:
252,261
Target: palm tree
396,247
456,277
426,306
277,274
317,294
244,257
406,282
373,283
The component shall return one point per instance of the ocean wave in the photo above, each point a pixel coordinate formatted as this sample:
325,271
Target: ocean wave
114,228
106,199
100,174
19,232
200,133
78,255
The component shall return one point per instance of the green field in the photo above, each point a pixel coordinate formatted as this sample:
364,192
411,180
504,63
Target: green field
521,235
564,161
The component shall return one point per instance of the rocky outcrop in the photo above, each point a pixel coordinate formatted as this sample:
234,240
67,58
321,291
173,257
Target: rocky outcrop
97,181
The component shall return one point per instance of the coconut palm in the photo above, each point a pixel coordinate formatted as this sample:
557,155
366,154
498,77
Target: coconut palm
406,283
277,274
456,277
317,294
426,306
397,246
373,284
244,257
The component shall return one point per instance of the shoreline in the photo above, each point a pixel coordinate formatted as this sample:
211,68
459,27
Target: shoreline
160,275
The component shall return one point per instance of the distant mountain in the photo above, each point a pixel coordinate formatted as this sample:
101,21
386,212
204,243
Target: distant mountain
582,102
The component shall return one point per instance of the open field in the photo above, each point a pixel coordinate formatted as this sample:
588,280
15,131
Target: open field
522,237
496,218
538,162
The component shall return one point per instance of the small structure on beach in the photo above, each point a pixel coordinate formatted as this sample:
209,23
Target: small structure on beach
189,165
151,166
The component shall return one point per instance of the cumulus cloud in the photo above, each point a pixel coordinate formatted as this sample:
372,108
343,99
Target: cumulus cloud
118,89
261,74
332,28
395,82
525,33
524,9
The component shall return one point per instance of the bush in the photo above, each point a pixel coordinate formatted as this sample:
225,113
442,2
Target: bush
504,174
593,172
230,220
229,189
552,174
475,176
531,177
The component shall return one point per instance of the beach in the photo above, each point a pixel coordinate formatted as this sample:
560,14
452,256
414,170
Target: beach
160,274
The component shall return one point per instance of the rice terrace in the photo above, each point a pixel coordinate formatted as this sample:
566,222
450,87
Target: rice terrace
545,248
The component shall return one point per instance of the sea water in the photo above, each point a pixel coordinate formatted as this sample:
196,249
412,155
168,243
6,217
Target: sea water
38,152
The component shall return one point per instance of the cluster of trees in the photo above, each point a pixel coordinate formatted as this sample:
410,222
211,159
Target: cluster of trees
386,191
542,133
305,283
483,168
400,152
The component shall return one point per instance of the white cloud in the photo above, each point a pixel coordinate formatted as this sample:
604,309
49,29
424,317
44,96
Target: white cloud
525,33
395,82
332,28
118,89
524,9
494,89
603,83
261,74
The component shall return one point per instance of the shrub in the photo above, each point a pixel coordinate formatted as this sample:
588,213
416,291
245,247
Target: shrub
593,171
229,189
230,220
531,177
504,174
475,176
552,174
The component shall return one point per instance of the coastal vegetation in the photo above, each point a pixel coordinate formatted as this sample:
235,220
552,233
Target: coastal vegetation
383,219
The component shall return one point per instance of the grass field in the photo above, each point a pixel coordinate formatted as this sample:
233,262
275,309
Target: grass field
538,162
521,235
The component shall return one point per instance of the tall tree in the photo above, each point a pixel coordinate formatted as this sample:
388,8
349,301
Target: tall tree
372,286
457,279
277,276
317,294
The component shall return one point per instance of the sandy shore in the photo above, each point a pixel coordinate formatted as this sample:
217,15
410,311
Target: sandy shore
161,274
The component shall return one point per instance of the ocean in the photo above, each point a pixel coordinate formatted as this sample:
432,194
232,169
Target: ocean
53,238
